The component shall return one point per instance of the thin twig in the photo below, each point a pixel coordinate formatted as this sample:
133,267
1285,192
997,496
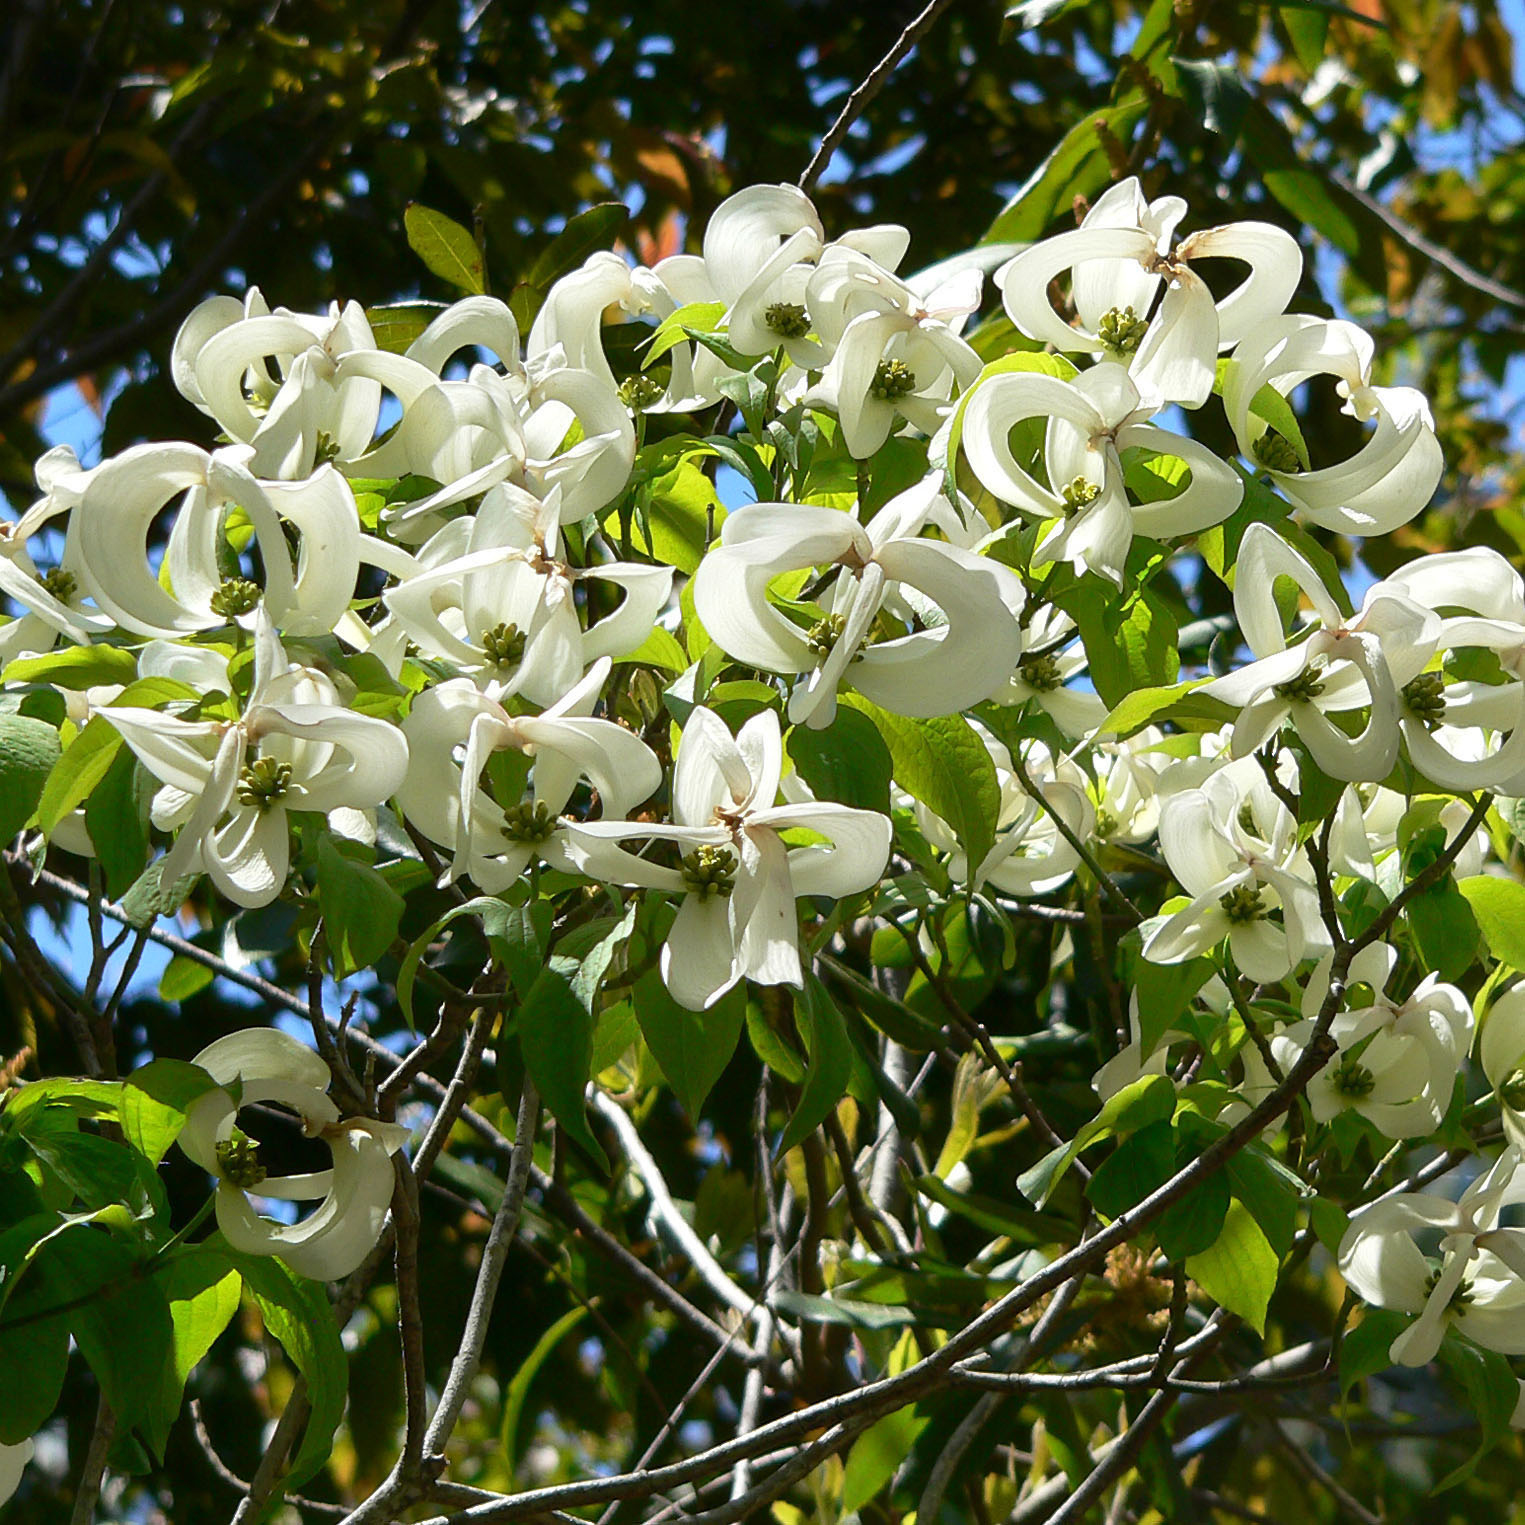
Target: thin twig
505,1225
872,84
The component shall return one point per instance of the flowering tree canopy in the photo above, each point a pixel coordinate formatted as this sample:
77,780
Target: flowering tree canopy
891,844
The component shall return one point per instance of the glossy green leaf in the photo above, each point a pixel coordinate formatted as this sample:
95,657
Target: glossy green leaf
155,1101
446,248
556,1036
1239,1270
691,1047
1498,904
29,751
297,1312
943,764
76,773
877,1453
361,911
829,1056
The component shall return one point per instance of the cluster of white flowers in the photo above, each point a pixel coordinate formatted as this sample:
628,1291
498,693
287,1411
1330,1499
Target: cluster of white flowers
455,522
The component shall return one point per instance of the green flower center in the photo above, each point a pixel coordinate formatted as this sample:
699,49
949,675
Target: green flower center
238,1160
504,645
892,379
1276,453
1352,1079
528,823
326,449
1462,1297
235,596
788,320
640,391
822,637
1106,824
1425,698
263,782
1307,685
61,584
1242,905
709,871
1079,494
1122,330
1040,673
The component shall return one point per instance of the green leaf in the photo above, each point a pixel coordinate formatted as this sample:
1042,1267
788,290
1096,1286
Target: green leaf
1305,194
943,764
76,773
1079,166
692,1048
1193,1223
829,1052
41,1351
678,328
1216,96
1020,1225
1135,1168
876,1455
586,232
556,1035
446,248
116,818
1165,994
1364,1348
155,1100
182,978
297,1312
1150,1099
842,1310
511,931
73,667
518,1388
150,897
29,750
395,325
1446,929
361,911
681,510
1129,638
1239,1271
1498,906
1308,31
1492,1392
846,761
202,1290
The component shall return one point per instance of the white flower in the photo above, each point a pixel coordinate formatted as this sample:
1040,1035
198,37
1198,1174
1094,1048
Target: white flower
1344,664
1393,474
110,528
1030,855
1383,1265
13,1460
270,380
739,878
1501,1050
1120,255
894,354
501,605
228,785
1212,839
505,834
930,671
353,1196
1397,1062
1091,421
